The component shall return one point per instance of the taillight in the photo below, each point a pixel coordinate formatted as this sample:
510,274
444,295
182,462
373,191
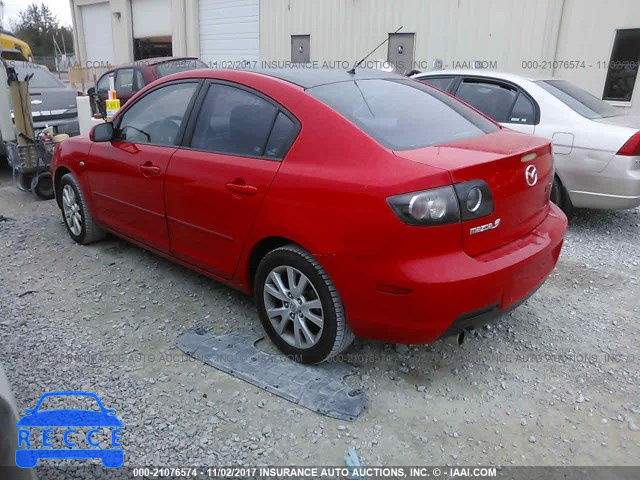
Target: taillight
632,147
437,206
440,206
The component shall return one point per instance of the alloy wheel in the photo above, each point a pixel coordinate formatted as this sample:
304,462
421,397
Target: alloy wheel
293,306
71,209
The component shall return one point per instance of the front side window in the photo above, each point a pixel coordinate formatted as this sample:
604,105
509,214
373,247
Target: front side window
156,118
623,67
403,114
493,99
103,83
129,80
234,121
579,100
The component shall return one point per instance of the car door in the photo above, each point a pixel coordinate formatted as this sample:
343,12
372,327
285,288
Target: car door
216,184
126,175
502,101
102,91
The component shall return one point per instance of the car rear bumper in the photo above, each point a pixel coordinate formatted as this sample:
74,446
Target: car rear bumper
617,187
419,300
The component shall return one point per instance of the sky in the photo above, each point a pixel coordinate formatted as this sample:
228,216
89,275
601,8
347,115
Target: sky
60,8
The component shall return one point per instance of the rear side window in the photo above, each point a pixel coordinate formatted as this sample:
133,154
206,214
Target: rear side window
443,83
403,114
233,121
578,100
523,111
494,100
282,136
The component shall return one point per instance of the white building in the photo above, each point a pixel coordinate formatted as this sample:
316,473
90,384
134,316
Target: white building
573,39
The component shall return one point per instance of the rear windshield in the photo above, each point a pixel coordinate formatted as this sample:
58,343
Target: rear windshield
403,114
578,100
41,78
181,65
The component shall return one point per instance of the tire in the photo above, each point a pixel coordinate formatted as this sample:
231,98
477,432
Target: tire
43,188
23,182
560,197
325,341
84,229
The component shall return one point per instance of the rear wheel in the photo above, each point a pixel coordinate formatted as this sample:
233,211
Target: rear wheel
75,212
299,306
560,197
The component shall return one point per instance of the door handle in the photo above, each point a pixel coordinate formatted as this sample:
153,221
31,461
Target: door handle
241,188
149,170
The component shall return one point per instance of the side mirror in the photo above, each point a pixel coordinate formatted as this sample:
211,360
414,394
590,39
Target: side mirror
103,132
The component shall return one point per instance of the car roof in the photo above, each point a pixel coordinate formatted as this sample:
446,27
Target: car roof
483,73
307,77
150,62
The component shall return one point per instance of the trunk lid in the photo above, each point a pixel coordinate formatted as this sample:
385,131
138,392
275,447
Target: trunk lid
631,121
52,103
501,159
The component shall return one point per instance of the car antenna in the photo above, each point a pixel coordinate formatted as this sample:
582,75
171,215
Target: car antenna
353,70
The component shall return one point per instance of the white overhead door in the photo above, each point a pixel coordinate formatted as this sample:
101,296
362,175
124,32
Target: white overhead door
229,30
151,18
96,27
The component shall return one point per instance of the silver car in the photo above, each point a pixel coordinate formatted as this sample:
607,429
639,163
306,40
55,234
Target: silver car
53,104
9,433
596,146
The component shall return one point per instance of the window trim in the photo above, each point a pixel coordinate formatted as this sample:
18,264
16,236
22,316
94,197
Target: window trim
454,81
498,81
187,115
195,113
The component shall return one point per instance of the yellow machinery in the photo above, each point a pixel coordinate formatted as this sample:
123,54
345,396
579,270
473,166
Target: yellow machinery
8,41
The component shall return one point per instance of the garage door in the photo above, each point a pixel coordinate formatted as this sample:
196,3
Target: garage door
229,30
96,26
151,18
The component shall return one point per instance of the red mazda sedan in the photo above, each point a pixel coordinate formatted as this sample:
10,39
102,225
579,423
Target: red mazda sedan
360,204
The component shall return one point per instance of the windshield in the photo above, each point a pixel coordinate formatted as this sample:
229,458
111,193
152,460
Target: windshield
403,114
579,100
41,78
181,65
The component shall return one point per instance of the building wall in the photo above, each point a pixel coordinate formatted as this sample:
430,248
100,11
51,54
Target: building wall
451,30
506,32
185,34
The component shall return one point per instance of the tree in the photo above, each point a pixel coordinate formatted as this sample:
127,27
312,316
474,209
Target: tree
38,25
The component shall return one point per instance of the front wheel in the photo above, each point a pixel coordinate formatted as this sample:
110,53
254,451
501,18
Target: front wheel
299,307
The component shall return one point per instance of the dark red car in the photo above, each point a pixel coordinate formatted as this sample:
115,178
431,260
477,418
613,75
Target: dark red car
132,77
366,203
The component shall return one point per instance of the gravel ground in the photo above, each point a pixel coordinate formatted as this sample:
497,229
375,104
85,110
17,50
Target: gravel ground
553,383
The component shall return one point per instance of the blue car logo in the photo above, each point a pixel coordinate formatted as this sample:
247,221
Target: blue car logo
28,456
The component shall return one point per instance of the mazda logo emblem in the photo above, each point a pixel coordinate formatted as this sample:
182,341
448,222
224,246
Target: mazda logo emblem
531,175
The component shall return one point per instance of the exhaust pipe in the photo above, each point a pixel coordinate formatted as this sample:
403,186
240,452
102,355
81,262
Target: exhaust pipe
461,337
